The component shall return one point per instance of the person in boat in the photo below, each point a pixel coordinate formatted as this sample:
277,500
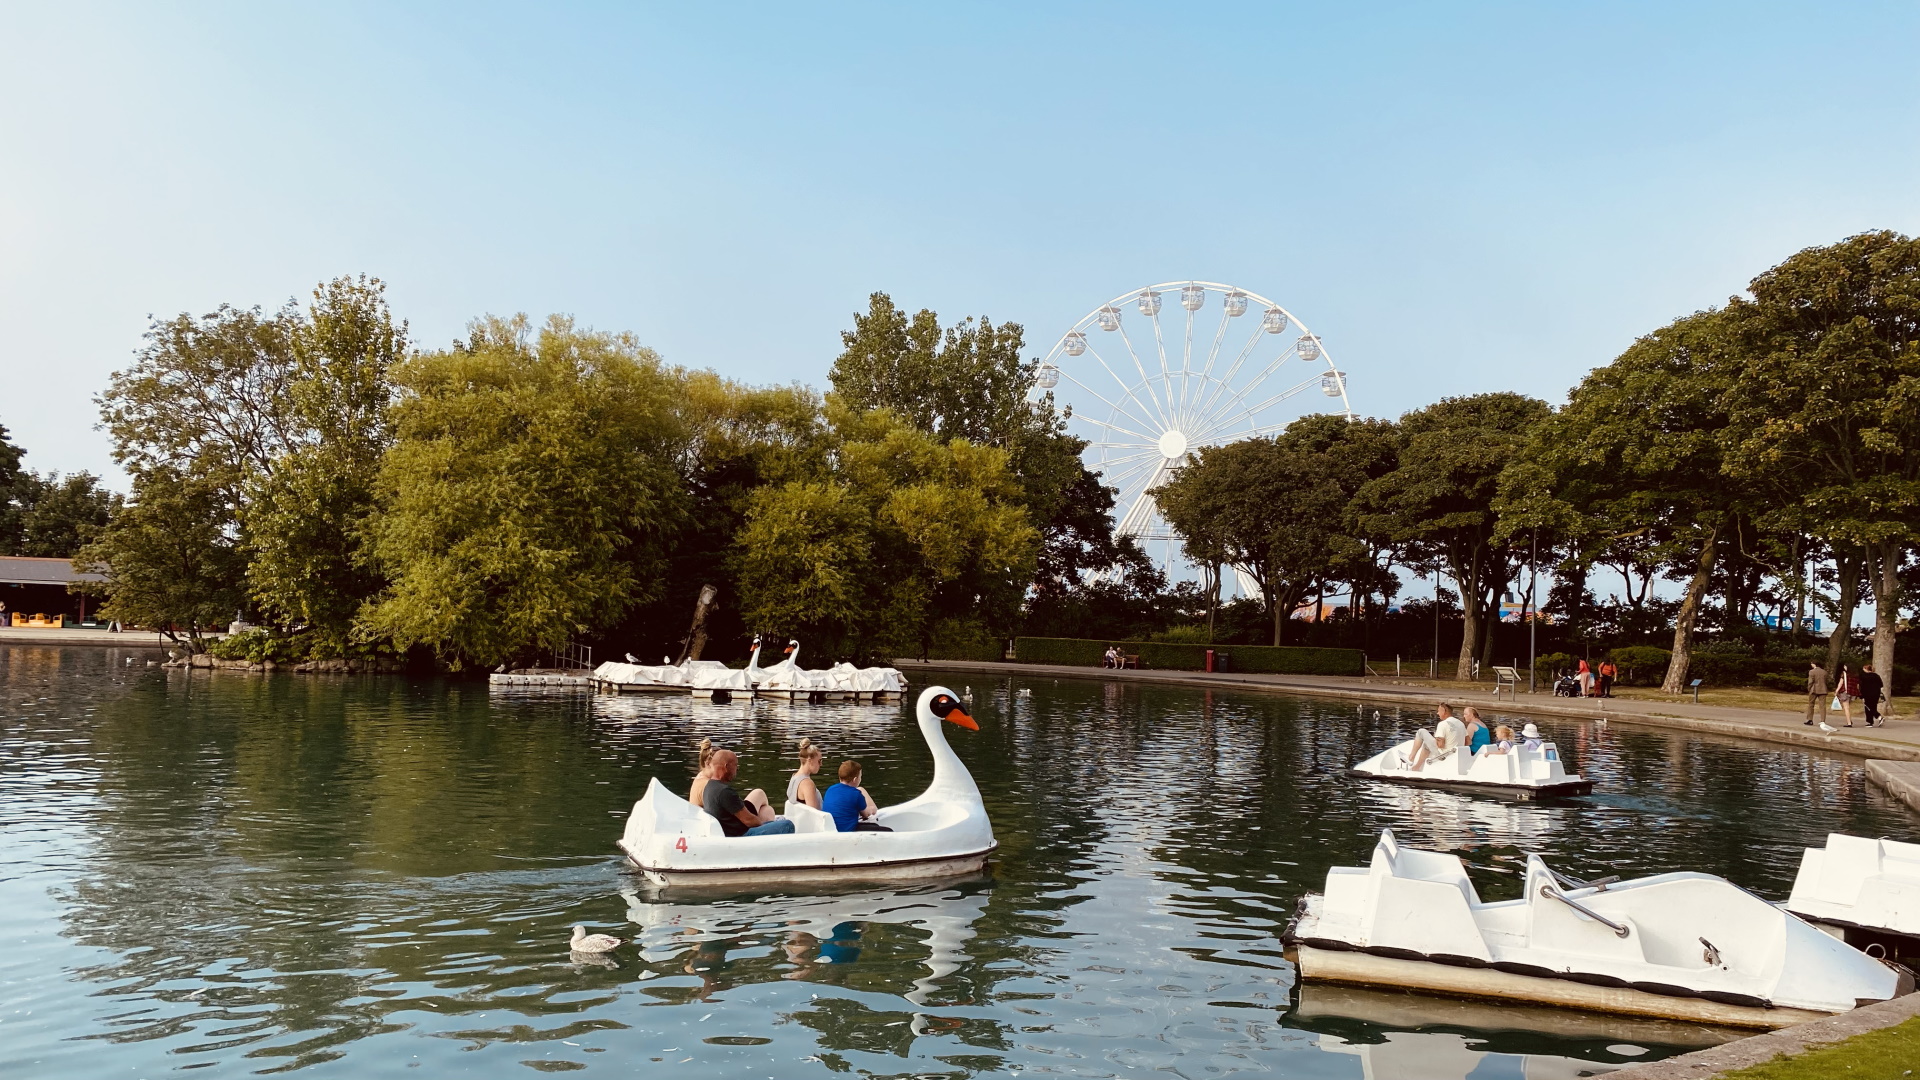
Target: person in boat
1502,740
1530,737
1478,734
696,789
852,808
800,786
750,816
1448,735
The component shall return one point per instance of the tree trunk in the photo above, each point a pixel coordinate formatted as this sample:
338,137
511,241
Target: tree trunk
1278,618
1468,578
697,633
1848,566
1689,613
1490,622
1886,616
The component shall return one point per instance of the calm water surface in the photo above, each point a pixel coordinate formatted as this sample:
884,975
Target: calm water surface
367,876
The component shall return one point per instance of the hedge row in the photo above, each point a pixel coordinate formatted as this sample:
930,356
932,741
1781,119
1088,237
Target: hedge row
1167,656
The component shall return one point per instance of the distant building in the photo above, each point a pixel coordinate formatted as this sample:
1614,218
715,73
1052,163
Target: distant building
1785,622
35,590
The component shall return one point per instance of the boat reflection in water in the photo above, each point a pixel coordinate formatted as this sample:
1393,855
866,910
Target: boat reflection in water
1404,1036
819,932
1451,820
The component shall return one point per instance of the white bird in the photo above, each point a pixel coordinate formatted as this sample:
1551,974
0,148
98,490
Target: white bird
1376,714
966,695
1828,728
632,659
584,942
1599,721
1026,691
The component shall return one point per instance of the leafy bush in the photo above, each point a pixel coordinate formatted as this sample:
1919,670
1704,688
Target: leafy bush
1170,656
261,645
1775,680
1189,634
1641,665
956,640
1548,665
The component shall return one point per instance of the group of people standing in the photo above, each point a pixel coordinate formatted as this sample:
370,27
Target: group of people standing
1597,683
851,807
1866,687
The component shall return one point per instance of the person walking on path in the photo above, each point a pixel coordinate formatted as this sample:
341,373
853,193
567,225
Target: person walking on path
1816,688
1846,687
1586,680
1607,674
1870,689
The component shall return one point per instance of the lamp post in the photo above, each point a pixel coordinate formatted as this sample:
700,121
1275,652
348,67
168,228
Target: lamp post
1533,575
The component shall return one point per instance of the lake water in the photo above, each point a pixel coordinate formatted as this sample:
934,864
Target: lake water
369,876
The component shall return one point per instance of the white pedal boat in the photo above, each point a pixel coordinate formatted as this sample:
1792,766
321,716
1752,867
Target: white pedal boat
841,682
1866,890
942,832
1519,773
1680,946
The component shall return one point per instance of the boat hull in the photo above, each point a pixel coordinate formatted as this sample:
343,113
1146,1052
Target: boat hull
1357,968
883,871
1566,790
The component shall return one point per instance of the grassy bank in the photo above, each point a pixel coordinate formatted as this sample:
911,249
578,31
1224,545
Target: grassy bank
1891,1053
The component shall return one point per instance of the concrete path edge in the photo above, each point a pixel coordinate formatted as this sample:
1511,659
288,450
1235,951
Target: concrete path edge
1760,1049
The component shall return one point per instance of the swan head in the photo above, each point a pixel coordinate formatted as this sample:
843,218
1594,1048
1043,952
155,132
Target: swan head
940,703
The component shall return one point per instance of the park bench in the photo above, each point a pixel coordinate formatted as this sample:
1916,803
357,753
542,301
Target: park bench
1131,660
1508,679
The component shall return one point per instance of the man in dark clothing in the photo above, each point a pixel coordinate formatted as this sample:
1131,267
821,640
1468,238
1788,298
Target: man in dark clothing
738,816
1816,688
1871,687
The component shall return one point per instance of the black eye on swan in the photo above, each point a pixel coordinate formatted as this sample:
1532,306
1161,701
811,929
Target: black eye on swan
943,705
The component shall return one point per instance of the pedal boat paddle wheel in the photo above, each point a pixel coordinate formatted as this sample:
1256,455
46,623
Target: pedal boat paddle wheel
1519,773
942,832
1864,892
1681,946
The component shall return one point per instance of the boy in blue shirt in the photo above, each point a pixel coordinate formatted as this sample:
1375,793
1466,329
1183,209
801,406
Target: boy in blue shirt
849,803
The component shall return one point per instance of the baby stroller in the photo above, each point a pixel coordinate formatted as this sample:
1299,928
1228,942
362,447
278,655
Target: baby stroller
1566,686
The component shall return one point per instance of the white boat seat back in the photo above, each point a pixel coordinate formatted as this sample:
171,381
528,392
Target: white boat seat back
808,820
660,811
1848,862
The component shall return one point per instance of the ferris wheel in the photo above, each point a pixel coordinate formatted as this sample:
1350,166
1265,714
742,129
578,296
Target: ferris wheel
1145,394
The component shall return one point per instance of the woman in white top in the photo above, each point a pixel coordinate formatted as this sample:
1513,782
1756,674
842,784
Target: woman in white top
800,787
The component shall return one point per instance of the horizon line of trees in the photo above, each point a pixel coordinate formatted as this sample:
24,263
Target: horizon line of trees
316,471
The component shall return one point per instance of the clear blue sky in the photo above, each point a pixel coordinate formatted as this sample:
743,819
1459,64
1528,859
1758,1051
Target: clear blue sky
1456,197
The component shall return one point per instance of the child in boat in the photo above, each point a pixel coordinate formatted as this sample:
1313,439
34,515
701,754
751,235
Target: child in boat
1530,736
1502,740
800,786
849,803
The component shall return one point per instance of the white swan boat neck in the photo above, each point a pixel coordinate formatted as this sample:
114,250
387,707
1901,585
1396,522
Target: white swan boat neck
1682,946
942,832
1520,773
1867,890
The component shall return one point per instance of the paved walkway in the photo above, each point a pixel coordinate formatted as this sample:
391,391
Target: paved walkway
1900,741
77,635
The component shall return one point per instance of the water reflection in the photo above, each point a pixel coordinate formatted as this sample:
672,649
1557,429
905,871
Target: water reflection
256,873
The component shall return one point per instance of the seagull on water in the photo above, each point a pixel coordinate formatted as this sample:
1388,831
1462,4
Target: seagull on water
584,942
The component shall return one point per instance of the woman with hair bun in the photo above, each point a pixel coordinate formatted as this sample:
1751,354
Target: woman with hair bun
800,786
699,785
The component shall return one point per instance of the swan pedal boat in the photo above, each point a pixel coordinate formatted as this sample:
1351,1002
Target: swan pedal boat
942,832
1683,946
1519,773
1865,892
841,682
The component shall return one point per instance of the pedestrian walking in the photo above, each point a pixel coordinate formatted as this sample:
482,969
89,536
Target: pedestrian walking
1607,674
1586,680
1871,688
1845,688
1816,688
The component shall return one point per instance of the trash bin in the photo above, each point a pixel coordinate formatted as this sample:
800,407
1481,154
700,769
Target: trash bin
1223,661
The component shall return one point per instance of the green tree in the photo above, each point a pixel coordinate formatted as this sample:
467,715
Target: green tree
1828,404
59,514
1632,467
1438,501
11,475
531,494
1281,508
969,382
170,556
902,540
306,513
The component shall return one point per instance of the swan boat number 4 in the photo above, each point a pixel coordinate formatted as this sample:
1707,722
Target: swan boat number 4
944,831
1681,946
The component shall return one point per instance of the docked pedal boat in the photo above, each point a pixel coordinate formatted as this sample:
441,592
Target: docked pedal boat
942,832
1680,946
1867,891
1519,773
